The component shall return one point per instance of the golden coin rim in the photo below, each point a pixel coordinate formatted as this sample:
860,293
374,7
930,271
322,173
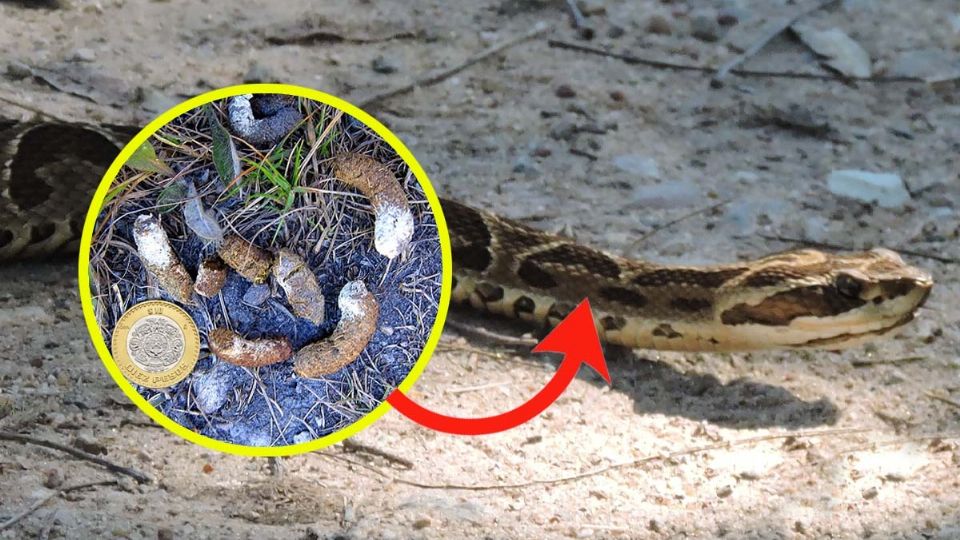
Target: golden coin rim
130,369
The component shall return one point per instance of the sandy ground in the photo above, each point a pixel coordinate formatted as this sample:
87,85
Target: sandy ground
772,445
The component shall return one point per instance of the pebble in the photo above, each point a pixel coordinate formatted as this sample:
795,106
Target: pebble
615,31
885,189
816,228
563,130
746,177
591,7
89,444
53,478
667,195
17,70
925,63
842,53
302,437
155,101
565,91
83,54
212,388
704,26
637,164
526,166
382,65
541,151
256,294
746,216
658,24
258,73
728,17
618,96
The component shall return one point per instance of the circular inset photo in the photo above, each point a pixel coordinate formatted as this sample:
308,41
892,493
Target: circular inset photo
263,267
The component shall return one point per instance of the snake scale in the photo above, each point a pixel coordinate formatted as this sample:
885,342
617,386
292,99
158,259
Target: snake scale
802,298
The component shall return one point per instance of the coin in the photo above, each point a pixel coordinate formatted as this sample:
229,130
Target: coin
155,344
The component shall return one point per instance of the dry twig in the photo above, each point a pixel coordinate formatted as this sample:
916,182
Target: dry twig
942,398
109,465
839,247
44,500
440,75
356,447
608,468
661,64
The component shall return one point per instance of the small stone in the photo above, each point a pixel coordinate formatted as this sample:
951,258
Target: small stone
213,388
155,101
724,492
564,130
421,523
637,164
728,17
704,26
618,96
746,177
565,91
258,73
615,31
671,194
542,152
526,166
52,478
840,51
871,493
884,189
658,24
88,444
382,65
83,54
591,7
925,64
127,484
57,419
256,295
18,70
165,534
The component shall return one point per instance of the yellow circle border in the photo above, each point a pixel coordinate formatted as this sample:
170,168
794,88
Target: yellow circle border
180,318
86,295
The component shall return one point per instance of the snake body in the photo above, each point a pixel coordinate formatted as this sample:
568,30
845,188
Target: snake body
803,298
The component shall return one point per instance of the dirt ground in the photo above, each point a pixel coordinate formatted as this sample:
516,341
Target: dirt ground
644,161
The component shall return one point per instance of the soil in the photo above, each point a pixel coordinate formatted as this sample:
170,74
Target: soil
859,444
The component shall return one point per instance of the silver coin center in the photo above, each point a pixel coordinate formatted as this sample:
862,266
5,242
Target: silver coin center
155,343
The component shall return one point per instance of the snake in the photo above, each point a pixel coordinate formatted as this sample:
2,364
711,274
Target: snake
802,298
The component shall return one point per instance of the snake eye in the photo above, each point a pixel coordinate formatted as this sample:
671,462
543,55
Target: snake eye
849,286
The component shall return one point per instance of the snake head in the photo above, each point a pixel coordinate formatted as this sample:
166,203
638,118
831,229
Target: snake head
880,276
881,293
808,298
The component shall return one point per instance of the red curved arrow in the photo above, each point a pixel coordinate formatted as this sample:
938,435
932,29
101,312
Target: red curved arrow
576,337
